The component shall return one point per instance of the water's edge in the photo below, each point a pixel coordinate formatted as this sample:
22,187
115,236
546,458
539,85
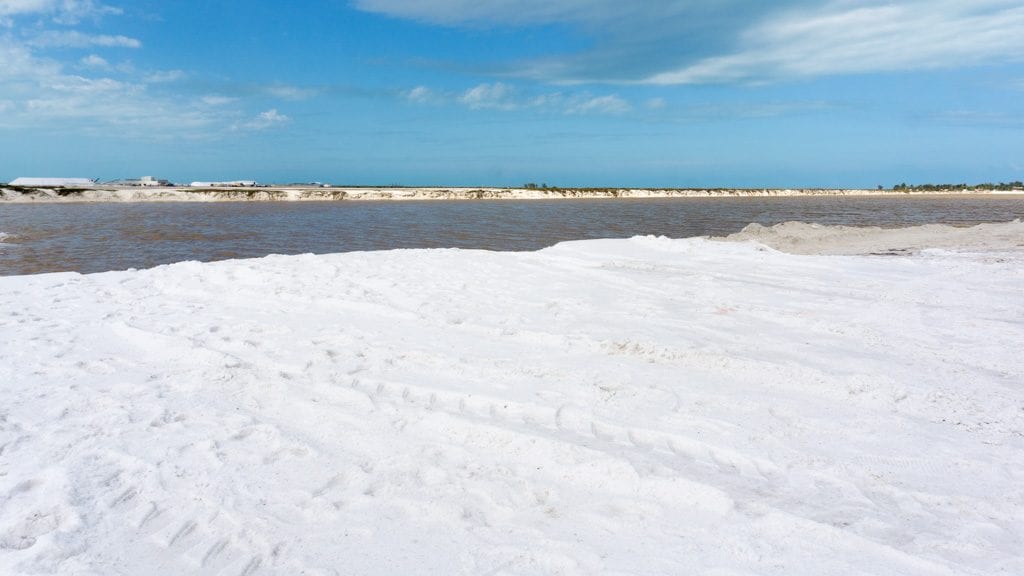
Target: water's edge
298,194
37,237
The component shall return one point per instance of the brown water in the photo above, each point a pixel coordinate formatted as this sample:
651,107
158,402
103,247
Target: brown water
101,237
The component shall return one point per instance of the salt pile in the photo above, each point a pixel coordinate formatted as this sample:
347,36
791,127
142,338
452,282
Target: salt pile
803,238
644,406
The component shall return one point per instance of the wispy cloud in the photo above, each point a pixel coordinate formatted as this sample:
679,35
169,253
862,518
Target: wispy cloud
847,37
95,61
631,39
656,103
90,94
741,41
975,118
217,100
14,7
420,95
264,120
501,96
41,93
285,92
497,96
105,104
713,112
68,12
76,39
599,105
165,76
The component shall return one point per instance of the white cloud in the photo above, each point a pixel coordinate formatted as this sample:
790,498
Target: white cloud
273,117
549,100
19,64
76,39
420,95
264,120
980,118
599,105
165,76
747,110
217,100
95,61
62,11
504,97
40,94
14,7
498,96
73,11
285,92
857,37
655,104
741,41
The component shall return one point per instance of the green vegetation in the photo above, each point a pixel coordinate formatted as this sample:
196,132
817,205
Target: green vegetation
62,191
904,187
59,190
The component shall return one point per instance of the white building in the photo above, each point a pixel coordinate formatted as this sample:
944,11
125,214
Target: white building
144,181
52,182
150,181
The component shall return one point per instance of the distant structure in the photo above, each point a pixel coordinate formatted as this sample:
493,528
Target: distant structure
307,185
233,184
144,181
53,182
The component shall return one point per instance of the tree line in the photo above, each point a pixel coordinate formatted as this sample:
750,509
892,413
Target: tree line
904,187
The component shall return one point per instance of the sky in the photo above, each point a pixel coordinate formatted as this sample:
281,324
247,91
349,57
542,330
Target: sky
673,93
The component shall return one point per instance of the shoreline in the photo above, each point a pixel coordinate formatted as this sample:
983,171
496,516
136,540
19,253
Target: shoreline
789,237
382,194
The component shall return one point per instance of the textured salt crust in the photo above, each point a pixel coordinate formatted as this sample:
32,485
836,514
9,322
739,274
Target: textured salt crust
803,238
644,406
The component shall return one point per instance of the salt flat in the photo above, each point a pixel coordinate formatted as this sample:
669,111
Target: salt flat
644,406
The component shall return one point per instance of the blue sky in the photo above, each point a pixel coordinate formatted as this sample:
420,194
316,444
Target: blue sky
502,92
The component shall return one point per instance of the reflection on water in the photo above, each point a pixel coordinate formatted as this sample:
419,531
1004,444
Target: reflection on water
101,237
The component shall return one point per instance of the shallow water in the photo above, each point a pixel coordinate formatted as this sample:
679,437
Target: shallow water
101,237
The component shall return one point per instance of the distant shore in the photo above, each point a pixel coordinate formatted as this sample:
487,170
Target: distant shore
321,194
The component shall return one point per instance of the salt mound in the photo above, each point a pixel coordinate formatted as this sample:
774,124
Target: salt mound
804,238
606,407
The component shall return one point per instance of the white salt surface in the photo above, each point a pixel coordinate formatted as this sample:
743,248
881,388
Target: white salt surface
803,238
644,406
